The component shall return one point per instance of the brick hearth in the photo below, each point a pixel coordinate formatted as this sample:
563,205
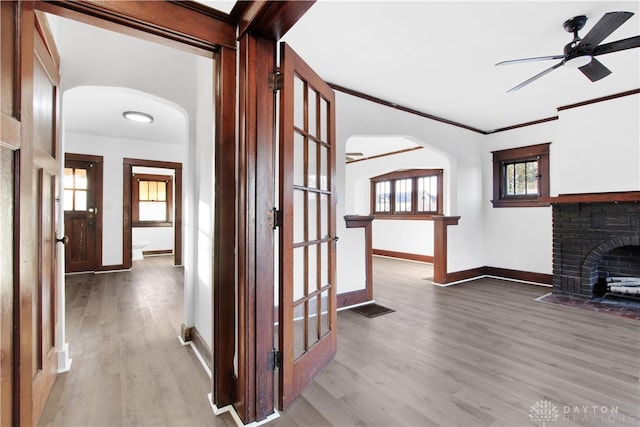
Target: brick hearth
594,239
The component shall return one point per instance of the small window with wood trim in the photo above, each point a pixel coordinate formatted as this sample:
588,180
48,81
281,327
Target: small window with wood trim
521,176
407,194
152,200
75,189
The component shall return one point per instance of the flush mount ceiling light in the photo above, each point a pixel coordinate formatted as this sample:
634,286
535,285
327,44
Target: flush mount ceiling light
137,116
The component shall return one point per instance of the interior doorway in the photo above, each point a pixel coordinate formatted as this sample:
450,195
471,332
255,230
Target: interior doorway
174,195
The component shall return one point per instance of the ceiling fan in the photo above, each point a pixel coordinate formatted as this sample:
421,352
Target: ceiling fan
580,52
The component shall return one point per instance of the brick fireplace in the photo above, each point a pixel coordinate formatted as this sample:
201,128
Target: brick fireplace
595,237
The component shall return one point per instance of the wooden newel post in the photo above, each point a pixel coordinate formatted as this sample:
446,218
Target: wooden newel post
440,224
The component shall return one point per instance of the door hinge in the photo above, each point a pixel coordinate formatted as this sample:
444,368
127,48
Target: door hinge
275,359
274,218
276,80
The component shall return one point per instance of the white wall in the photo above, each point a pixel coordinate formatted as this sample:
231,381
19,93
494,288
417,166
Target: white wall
113,151
456,150
517,238
408,236
594,148
199,273
157,238
598,148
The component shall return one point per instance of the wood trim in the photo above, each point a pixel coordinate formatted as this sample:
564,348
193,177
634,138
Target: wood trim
502,273
224,258
42,25
404,217
458,276
10,71
358,221
265,145
440,225
127,205
346,299
256,192
186,332
135,200
7,273
202,347
601,99
610,197
9,132
268,19
404,255
522,125
158,252
364,221
525,276
197,30
25,234
393,105
113,267
402,108
83,157
414,175
190,334
152,163
392,153
530,152
127,251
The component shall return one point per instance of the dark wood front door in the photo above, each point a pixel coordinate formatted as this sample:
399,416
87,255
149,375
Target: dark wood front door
45,175
82,212
307,305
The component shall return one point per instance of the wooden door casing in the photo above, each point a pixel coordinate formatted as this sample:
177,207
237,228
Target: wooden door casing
307,306
7,171
46,81
197,30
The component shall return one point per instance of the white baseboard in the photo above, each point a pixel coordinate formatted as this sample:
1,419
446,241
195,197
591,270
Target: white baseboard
64,362
232,411
198,355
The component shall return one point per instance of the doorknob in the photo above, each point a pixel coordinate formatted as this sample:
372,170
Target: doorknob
64,240
93,210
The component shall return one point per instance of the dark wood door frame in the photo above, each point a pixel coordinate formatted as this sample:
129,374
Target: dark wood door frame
187,26
199,30
260,24
128,165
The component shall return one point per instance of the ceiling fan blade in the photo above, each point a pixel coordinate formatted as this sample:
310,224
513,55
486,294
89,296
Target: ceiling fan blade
594,70
536,77
616,46
605,26
537,58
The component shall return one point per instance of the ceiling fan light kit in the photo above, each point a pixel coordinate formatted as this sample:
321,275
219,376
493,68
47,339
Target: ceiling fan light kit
577,61
580,52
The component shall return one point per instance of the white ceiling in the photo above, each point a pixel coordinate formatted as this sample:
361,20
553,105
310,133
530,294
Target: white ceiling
85,115
438,56
105,73
433,56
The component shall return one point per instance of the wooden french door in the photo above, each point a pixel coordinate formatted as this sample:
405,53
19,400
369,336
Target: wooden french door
82,211
46,81
307,298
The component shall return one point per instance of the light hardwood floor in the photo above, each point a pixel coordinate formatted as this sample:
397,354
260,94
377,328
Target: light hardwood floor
128,367
480,353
